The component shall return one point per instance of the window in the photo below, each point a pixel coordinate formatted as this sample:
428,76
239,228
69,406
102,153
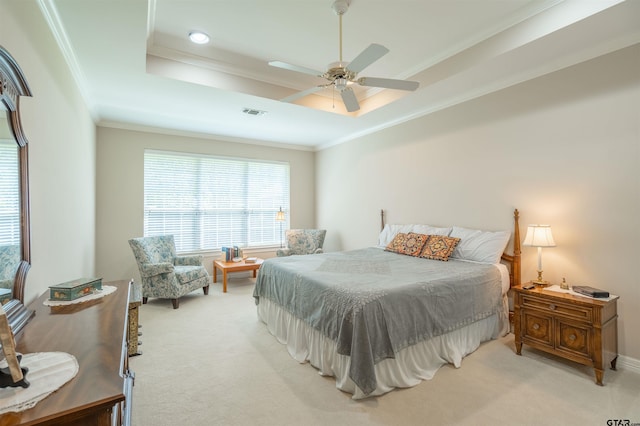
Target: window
210,202
9,193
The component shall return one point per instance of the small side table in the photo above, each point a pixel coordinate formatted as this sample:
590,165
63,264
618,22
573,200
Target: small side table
577,328
227,267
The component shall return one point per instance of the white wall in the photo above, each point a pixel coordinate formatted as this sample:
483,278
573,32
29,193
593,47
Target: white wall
564,149
61,138
120,189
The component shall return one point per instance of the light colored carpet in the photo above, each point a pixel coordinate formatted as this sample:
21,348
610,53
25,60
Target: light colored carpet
212,362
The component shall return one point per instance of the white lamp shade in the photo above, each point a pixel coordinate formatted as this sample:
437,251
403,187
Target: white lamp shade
539,236
280,216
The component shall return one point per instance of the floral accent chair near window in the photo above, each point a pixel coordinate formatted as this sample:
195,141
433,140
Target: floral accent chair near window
303,241
164,274
9,261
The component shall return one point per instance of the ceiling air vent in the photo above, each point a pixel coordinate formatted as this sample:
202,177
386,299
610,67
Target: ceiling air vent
251,111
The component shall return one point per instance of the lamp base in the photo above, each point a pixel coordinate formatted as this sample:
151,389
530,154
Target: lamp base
540,282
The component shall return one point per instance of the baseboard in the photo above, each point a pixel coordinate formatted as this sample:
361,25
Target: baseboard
628,363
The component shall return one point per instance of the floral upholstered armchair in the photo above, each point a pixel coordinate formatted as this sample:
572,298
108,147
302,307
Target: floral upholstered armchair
303,241
9,261
164,274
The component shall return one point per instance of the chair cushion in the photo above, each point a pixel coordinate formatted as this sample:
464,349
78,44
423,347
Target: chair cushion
186,274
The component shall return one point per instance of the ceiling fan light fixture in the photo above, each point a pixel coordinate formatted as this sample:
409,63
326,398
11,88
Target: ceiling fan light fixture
341,83
199,37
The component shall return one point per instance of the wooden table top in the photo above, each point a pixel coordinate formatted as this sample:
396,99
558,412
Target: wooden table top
94,332
238,265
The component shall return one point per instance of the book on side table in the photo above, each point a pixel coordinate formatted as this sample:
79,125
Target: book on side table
590,291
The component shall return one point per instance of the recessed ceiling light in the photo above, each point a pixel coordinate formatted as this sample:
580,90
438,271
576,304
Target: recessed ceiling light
199,37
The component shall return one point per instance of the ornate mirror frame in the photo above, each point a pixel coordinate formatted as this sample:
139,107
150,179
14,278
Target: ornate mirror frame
13,85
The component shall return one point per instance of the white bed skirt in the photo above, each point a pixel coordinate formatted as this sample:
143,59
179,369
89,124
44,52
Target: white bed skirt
410,366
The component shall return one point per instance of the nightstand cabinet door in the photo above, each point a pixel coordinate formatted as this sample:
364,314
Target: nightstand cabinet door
575,340
538,328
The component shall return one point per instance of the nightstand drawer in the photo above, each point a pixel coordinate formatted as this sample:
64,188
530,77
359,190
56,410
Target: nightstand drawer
581,313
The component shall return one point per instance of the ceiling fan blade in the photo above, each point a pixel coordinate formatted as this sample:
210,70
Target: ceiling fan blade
388,83
367,57
302,94
297,68
349,99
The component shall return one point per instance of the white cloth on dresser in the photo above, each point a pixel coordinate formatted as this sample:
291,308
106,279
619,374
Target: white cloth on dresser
106,290
48,372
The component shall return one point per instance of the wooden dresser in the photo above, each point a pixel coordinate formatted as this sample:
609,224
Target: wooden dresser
95,333
577,328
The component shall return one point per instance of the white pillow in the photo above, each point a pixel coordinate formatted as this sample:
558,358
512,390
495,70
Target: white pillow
389,232
430,230
479,246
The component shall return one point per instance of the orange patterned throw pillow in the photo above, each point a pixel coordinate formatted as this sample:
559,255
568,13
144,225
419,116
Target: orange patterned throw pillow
439,247
410,244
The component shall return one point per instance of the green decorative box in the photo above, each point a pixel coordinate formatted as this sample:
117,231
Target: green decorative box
75,289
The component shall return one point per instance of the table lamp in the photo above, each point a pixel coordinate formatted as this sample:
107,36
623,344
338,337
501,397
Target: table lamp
280,218
539,236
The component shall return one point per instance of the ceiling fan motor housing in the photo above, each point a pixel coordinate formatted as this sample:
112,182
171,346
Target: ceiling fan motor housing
338,71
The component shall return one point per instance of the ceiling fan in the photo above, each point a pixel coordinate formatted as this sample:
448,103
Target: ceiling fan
341,74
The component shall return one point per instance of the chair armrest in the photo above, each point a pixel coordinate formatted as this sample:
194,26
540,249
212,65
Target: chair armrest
195,260
151,269
283,252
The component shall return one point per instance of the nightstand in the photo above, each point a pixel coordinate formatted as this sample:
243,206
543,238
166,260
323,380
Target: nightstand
577,328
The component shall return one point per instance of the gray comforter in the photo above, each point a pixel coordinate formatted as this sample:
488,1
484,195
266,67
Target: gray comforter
374,303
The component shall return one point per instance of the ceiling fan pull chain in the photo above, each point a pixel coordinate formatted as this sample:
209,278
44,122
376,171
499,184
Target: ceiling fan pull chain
333,96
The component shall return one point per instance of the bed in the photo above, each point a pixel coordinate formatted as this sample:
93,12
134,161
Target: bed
378,319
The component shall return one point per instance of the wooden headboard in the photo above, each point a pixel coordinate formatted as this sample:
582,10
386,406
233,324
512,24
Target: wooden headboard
513,260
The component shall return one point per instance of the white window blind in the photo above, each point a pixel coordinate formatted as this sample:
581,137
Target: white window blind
9,193
210,202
